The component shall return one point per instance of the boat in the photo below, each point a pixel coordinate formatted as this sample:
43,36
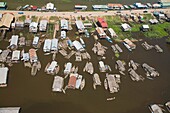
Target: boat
155,109
57,69
111,98
34,69
87,33
105,84
168,106
45,70
82,42
109,39
114,49
82,85
118,48
127,46
76,69
47,53
78,81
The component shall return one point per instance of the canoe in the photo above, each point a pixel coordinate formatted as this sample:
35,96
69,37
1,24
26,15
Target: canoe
82,84
105,84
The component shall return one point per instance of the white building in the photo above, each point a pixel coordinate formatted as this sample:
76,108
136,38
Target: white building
3,76
33,27
58,84
63,34
126,27
78,45
43,25
64,24
47,45
52,67
100,7
14,41
54,44
80,26
67,69
16,55
50,6
35,41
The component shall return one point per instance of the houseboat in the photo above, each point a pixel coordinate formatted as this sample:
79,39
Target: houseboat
78,46
64,24
78,81
63,34
33,27
58,84
14,42
102,23
43,25
3,77
80,26
100,32
35,42
51,69
33,55
67,69
72,81
15,56
96,80
129,43
47,45
54,45
155,109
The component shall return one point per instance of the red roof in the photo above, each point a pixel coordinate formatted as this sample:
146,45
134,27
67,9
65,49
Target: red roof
72,81
102,22
34,7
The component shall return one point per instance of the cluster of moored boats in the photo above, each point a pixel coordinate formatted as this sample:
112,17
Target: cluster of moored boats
159,108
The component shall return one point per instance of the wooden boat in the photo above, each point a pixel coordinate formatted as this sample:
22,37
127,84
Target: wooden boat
47,53
34,69
155,109
168,106
82,42
111,98
82,84
105,84
76,69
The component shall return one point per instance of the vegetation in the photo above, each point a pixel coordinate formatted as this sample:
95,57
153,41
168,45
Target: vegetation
168,40
50,31
53,19
34,18
22,18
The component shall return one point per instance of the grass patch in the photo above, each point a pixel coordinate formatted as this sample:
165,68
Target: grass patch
34,18
67,1
50,30
147,17
22,18
135,26
54,19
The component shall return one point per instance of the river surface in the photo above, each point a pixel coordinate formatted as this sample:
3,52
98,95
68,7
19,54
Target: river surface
34,93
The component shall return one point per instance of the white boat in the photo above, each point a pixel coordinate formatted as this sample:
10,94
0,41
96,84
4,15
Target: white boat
154,108
127,46
168,106
82,42
47,53
82,84
111,98
105,84
78,81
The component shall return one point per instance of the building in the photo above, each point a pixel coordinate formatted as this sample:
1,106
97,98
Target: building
102,23
63,34
43,25
14,42
35,41
125,27
112,32
6,21
3,76
34,8
140,5
3,5
80,7
19,24
16,55
112,6
80,26
10,110
54,45
33,55
130,43
50,6
72,81
67,69
64,24
165,3
145,28
153,21
58,84
33,27
100,7
52,67
100,32
27,21
78,45
47,45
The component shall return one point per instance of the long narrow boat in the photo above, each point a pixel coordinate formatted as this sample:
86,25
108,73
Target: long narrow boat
168,106
105,84
82,84
34,69
45,70
127,46
154,108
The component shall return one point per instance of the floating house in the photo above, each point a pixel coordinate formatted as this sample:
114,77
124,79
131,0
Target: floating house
63,34
16,55
80,7
3,76
33,27
35,41
100,7
14,42
47,45
112,84
102,66
72,81
3,5
80,26
78,45
6,21
145,28
130,43
27,21
19,24
50,6
102,23
43,25
64,24
112,32
33,55
67,69
52,67
112,6
100,32
10,110
58,84
78,81
25,57
125,27
54,45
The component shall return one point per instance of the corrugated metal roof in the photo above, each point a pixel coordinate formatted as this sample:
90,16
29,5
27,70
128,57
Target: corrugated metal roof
16,55
52,66
77,45
6,20
102,22
80,25
14,40
64,24
54,44
3,75
47,45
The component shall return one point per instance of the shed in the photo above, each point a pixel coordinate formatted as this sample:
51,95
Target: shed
145,28
52,66
47,45
78,45
50,6
33,27
16,55
67,69
54,44
64,24
126,27
10,110
3,76
43,25
6,21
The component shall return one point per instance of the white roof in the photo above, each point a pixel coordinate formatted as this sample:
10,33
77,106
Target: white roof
3,76
145,26
47,45
77,45
26,56
33,24
54,44
52,66
35,40
10,110
81,6
58,83
101,63
126,26
63,34
43,25
100,31
16,55
100,6
80,25
78,81
68,67
50,6
14,40
112,32
161,15
64,24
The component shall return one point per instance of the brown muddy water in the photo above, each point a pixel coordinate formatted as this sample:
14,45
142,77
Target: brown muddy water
34,93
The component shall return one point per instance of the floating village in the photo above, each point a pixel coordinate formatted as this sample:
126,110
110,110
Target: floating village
51,35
